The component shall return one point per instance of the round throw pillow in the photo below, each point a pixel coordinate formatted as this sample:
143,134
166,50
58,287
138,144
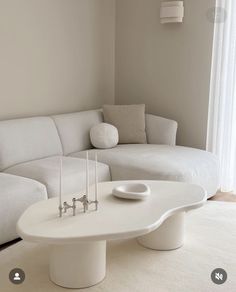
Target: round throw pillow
104,136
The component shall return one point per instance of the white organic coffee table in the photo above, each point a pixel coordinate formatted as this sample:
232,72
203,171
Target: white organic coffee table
78,244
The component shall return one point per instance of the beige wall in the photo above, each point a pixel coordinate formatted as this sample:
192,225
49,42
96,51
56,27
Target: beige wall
58,56
55,56
166,66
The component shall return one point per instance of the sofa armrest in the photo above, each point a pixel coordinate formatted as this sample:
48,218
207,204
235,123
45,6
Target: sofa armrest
160,130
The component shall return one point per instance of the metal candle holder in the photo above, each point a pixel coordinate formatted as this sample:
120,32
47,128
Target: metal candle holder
84,198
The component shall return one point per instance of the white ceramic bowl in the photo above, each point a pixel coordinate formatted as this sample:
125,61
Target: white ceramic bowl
133,191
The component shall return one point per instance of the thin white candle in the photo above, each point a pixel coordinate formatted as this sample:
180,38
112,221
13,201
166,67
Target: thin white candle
87,175
96,177
60,183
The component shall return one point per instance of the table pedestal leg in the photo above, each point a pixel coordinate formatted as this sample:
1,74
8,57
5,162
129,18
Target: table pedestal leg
78,265
170,235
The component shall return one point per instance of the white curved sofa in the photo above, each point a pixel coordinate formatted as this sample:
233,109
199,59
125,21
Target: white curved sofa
16,194
30,148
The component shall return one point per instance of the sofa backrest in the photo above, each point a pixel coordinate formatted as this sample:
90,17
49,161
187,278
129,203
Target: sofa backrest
27,139
74,129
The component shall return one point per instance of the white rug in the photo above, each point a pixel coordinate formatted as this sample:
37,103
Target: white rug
210,243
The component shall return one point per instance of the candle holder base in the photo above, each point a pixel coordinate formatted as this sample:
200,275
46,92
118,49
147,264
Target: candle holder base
83,200
60,210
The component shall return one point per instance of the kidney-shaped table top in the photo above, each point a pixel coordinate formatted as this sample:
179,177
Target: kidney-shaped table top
115,219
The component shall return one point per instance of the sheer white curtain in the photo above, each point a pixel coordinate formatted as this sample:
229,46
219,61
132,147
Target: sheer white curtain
222,108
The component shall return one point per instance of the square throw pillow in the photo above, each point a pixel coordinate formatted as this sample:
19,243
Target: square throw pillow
129,121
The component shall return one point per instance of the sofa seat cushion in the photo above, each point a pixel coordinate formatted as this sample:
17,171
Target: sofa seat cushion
161,162
16,194
46,171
